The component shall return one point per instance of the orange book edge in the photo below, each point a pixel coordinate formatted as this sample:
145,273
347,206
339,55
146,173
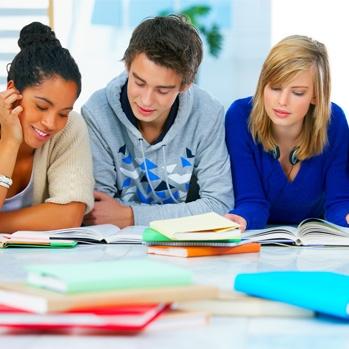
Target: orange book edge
200,251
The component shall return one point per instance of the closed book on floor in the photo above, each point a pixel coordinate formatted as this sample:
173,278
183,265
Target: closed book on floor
39,300
197,251
109,275
207,226
125,319
324,292
244,306
8,240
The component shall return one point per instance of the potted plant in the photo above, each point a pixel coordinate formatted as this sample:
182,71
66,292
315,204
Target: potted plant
211,33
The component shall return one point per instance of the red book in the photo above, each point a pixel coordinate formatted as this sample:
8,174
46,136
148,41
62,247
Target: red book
123,319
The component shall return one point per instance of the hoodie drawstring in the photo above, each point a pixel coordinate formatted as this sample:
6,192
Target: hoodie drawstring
165,173
158,200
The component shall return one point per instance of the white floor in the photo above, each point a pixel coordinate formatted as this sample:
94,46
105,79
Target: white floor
222,332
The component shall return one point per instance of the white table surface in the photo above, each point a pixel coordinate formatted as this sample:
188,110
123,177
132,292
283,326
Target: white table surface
221,332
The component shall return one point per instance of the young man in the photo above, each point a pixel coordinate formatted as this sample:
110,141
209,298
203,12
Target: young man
157,139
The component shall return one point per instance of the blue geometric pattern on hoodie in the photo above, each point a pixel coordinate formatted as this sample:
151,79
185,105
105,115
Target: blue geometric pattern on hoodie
189,154
152,176
132,170
161,194
142,198
150,165
127,160
127,182
185,162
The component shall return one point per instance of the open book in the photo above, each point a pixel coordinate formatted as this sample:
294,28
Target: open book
102,233
310,232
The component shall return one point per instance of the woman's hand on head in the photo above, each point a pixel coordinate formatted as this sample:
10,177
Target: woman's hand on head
237,219
11,128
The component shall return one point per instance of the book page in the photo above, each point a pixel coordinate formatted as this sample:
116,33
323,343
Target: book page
93,232
129,235
272,234
316,231
108,233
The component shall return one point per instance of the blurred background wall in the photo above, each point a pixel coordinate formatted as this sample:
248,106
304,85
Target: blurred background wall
97,33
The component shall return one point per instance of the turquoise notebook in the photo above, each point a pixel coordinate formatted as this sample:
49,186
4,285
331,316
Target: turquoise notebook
110,275
324,292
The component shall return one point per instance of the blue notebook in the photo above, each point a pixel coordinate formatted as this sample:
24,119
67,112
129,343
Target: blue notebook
324,292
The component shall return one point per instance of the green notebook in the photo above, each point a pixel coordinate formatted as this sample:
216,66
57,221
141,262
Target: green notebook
153,237
109,275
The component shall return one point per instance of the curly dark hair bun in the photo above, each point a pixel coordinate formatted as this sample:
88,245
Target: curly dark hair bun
37,33
41,57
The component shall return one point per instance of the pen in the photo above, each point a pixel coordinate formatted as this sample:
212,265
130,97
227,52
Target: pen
62,243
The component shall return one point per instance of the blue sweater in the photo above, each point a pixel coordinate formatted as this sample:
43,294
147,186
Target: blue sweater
263,194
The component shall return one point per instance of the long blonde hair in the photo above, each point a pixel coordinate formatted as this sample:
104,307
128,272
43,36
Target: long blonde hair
290,56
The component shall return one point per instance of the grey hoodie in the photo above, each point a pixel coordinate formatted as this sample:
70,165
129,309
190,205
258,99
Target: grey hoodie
155,179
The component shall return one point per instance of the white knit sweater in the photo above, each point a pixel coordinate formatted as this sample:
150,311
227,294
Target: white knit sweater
63,166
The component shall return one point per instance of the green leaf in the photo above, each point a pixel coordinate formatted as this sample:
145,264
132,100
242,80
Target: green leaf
212,35
214,40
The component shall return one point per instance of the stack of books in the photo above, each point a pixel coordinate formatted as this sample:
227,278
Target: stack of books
194,236
114,296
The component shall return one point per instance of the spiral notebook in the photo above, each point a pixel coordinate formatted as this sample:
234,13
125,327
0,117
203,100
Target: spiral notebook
152,237
203,227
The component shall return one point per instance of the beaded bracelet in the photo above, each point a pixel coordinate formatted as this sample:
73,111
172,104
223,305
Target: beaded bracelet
5,181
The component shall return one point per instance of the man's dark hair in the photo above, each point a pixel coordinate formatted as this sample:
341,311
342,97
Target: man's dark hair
41,57
169,41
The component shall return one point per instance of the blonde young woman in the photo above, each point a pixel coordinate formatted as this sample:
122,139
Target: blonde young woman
288,144
46,179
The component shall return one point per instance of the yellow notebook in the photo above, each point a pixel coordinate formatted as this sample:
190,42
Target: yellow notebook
207,226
